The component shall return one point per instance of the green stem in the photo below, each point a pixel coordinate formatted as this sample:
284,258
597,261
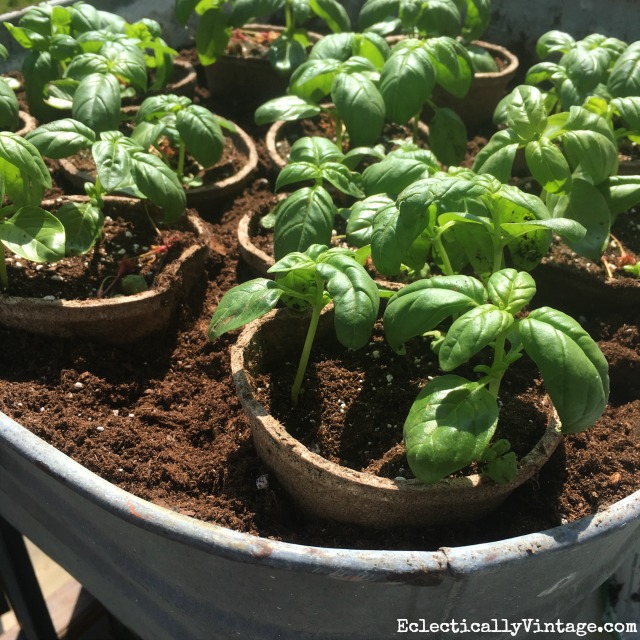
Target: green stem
339,132
498,357
306,350
446,263
497,247
4,278
288,18
181,156
416,130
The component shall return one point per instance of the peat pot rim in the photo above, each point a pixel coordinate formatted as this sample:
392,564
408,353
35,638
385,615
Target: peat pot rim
328,490
344,564
511,60
275,132
141,313
27,123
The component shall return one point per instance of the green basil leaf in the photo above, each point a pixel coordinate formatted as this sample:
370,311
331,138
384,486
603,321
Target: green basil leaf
286,108
113,164
61,138
212,35
406,82
315,150
25,157
342,179
624,79
127,63
454,70
332,13
448,136
201,133
511,290
472,332
424,304
526,113
286,54
449,426
585,68
548,166
554,42
355,298
593,155
244,11
243,304
392,175
8,107
574,370
296,172
476,19
361,107
39,69
542,72
497,157
621,193
97,102
158,183
361,219
82,225
86,64
305,218
313,79
336,46
373,12
629,110
34,234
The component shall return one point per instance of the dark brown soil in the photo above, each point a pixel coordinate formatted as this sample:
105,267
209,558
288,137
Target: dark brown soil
161,419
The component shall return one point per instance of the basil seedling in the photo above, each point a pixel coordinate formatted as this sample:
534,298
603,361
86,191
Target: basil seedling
453,419
25,227
121,164
307,280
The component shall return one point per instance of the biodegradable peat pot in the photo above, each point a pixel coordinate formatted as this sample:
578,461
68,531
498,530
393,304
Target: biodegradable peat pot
26,123
230,182
119,319
487,89
327,490
258,260
252,80
278,143
168,576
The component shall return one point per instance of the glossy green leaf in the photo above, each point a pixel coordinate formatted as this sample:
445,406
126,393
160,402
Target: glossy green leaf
244,11
315,150
97,102
34,234
8,107
406,82
374,12
511,290
392,175
286,108
82,224
296,172
621,193
305,218
25,157
212,35
286,54
624,79
477,17
127,63
574,370
629,110
448,136
542,72
158,183
361,219
355,298
548,166
585,67
85,64
592,154
339,176
526,112
435,18
113,163
313,79
201,133
454,71
554,42
61,138
332,13
497,157
449,426
39,70
424,304
472,332
243,304
361,107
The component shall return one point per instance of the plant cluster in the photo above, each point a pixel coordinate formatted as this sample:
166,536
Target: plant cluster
87,60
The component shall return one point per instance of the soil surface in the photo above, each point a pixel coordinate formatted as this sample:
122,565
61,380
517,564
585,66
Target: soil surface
161,419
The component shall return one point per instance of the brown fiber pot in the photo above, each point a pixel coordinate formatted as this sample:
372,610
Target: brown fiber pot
248,81
119,319
26,123
327,490
198,197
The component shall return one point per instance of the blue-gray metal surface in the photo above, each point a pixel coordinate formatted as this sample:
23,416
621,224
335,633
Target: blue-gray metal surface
168,576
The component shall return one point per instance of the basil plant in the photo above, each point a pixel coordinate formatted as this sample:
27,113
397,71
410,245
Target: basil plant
26,229
217,19
456,220
307,215
367,84
87,60
574,158
9,107
177,128
465,20
121,165
453,419
308,280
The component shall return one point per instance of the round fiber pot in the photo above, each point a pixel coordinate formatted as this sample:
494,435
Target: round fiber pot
254,256
327,490
119,319
248,81
26,123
